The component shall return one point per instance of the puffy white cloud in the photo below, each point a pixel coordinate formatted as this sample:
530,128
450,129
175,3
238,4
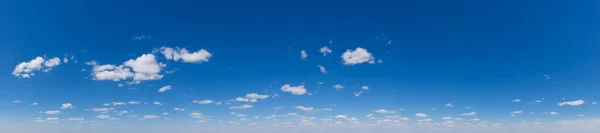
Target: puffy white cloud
325,50
322,69
197,115
102,116
184,55
553,113
305,109
118,103
52,119
133,102
26,69
338,87
516,100
178,109
357,56
341,117
76,119
145,117
365,88
256,96
51,112
33,104
303,54
572,103
421,115
66,106
449,105
292,114
156,103
296,90
206,102
468,114
165,88
516,112
384,111
16,101
144,68
245,106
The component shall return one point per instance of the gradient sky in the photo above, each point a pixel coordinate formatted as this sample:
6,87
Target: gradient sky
502,65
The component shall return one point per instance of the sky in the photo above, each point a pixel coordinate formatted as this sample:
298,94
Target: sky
380,66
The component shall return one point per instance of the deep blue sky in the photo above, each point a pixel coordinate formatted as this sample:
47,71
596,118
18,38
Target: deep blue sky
481,54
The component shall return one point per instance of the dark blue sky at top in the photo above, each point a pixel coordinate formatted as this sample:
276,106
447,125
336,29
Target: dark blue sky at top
471,51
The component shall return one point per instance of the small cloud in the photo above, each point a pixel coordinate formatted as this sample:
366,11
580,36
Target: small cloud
516,100
295,90
338,87
468,114
245,106
546,76
16,101
384,111
76,119
572,103
118,103
322,69
421,115
51,112
303,54
141,37
553,113
449,105
67,106
357,56
325,50
305,109
156,103
206,102
165,88
133,102
145,117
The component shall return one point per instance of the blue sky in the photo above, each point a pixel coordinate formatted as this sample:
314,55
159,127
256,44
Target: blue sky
487,59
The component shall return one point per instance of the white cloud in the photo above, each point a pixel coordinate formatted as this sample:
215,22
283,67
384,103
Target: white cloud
141,37
206,102
446,118
341,117
546,76
296,90
52,119
516,100
197,115
449,105
16,101
325,50
178,109
26,69
384,111
303,54
145,117
305,109
357,56
51,112
165,113
102,116
256,96
144,68
325,109
156,103
34,104
245,106
67,106
184,55
101,109
118,103
468,114
165,88
76,119
553,113
572,103
421,115
365,88
322,69
91,63
133,102
338,87
516,112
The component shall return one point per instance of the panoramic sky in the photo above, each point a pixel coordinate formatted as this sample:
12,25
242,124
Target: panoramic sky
378,66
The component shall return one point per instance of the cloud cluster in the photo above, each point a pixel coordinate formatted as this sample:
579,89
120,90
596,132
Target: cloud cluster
296,90
144,68
357,56
184,55
27,69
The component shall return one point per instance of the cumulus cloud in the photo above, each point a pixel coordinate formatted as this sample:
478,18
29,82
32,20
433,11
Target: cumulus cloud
140,69
206,102
156,103
178,109
118,103
305,109
252,97
245,106
384,111
303,54
322,69
76,119
325,50
145,117
421,115
449,105
572,103
165,88
553,113
341,117
51,112
338,87
102,116
184,55
133,102
67,106
26,69
296,90
197,115
357,56
468,114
